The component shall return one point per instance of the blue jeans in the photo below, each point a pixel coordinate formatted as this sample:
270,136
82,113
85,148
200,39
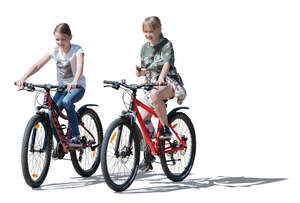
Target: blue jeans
65,101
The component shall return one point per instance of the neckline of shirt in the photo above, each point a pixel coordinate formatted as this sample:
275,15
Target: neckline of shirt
65,54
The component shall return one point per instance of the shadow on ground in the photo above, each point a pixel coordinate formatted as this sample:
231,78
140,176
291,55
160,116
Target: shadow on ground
158,182
77,182
162,184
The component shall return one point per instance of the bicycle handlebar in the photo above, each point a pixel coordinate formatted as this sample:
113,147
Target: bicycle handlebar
133,87
31,86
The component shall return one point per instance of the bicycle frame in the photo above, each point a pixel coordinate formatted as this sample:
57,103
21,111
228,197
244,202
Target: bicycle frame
52,106
134,104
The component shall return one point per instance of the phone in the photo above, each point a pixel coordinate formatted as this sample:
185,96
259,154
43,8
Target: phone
138,68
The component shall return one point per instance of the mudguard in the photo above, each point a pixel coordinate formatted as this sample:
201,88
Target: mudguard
45,115
173,112
86,105
132,118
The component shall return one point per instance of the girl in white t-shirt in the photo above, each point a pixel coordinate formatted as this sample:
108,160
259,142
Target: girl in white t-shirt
69,60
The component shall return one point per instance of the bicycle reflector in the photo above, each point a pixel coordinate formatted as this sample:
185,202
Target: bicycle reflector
34,175
175,125
94,153
113,137
36,126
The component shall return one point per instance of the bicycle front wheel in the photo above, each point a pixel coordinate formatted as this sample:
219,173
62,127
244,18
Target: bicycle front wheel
177,165
120,154
86,160
36,151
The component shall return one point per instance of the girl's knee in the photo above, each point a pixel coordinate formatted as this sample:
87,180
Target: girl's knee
67,102
155,96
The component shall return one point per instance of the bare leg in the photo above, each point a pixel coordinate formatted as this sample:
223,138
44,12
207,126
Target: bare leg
157,96
145,114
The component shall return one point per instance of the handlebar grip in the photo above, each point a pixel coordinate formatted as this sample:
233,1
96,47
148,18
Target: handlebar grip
108,82
24,83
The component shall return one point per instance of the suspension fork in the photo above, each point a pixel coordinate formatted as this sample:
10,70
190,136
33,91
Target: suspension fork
132,122
131,115
33,139
119,133
46,124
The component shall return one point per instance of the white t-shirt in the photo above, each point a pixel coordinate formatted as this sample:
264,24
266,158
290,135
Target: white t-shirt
66,65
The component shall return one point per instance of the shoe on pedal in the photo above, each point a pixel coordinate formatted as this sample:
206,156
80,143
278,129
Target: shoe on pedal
145,166
75,142
165,133
54,154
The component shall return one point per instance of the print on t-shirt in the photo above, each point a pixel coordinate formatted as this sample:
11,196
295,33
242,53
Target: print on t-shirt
65,69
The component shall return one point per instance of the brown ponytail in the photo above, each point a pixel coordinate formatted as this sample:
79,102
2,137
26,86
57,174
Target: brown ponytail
63,28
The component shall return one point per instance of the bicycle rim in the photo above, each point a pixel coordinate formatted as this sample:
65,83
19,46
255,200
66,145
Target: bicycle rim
86,160
36,151
119,170
178,164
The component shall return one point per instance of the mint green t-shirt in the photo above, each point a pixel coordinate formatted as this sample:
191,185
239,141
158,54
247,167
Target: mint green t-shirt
154,57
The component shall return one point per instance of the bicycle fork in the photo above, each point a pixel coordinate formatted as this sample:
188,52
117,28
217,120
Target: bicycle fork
32,143
127,147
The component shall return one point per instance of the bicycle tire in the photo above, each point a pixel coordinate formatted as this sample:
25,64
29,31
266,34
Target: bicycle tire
109,138
33,177
191,143
94,156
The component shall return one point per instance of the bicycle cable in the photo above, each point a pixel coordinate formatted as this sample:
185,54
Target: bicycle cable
36,102
125,92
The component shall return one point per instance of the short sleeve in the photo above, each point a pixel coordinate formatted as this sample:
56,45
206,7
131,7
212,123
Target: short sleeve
142,56
52,52
168,53
79,51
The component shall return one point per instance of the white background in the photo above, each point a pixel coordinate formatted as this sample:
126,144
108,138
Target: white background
240,64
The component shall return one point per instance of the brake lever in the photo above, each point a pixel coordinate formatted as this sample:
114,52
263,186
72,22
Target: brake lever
29,89
113,86
60,89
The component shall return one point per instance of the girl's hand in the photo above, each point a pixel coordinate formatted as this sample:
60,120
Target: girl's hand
140,71
160,81
71,85
20,83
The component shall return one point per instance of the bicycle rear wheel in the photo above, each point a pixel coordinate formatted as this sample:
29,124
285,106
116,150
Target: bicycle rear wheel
36,151
119,166
86,160
177,165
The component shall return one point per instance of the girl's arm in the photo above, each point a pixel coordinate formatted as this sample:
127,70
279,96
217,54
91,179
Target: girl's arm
80,62
140,71
33,69
163,73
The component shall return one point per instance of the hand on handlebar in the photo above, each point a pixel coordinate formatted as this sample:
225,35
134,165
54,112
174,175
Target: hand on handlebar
140,71
161,82
71,86
20,84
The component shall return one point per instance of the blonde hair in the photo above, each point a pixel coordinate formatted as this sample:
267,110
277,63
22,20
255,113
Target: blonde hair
153,22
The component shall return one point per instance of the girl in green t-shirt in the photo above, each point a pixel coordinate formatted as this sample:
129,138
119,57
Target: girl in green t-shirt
157,65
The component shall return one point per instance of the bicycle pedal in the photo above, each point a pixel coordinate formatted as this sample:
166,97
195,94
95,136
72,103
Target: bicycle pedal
75,146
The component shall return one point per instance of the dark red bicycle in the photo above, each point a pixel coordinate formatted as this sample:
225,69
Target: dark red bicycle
120,152
38,138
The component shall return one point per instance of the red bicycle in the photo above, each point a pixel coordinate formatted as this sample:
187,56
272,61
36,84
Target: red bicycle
120,152
38,138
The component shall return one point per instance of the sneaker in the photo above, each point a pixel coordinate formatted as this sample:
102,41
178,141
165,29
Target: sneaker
54,154
75,142
58,152
145,166
165,133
